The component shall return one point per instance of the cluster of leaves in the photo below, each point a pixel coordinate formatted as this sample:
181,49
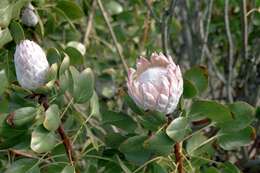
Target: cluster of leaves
104,130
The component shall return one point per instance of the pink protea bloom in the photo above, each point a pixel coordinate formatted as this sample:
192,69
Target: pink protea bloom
156,84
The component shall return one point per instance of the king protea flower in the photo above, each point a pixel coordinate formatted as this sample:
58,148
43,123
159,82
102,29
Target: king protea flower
156,84
31,64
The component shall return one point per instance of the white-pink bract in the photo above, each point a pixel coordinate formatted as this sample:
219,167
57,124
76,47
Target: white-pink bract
156,84
31,64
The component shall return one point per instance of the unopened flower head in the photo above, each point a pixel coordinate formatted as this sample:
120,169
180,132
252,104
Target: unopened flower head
156,84
31,64
28,16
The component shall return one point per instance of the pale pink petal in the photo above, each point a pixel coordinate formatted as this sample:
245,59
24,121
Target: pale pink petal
152,89
142,64
159,60
165,86
162,102
130,73
150,101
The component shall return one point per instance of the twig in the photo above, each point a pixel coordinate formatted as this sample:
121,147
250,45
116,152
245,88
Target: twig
253,10
167,16
147,24
66,143
90,22
148,4
244,28
65,139
178,157
119,51
230,52
206,34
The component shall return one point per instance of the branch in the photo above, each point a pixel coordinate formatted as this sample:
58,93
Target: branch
65,139
149,5
147,24
230,53
167,16
178,157
206,34
244,28
90,22
118,49
67,144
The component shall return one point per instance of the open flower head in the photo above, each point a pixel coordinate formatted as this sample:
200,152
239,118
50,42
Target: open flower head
156,84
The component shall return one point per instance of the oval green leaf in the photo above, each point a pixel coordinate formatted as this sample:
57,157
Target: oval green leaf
4,81
16,32
52,118
68,169
71,9
178,129
198,76
210,109
42,140
22,116
234,140
243,115
83,86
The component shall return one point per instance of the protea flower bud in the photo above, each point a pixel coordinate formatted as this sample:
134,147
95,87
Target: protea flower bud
28,16
31,64
156,84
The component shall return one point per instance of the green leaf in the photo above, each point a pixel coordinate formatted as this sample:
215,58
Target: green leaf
156,168
17,32
4,104
5,37
64,65
189,90
23,166
194,145
153,120
229,168
243,115
4,81
113,7
23,116
94,105
134,151
68,169
52,118
66,81
71,9
76,57
17,6
120,120
53,56
234,140
159,144
198,76
42,140
257,113
123,166
132,105
79,46
210,170
83,86
8,131
6,9
113,140
178,129
52,73
210,109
